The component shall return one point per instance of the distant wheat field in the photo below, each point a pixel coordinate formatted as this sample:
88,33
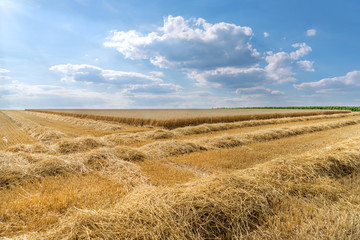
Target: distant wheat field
183,174
166,114
173,118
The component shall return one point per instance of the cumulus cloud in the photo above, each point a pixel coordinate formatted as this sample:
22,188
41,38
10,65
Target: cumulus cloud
349,82
306,65
189,44
214,55
301,51
94,74
279,69
281,65
311,32
128,81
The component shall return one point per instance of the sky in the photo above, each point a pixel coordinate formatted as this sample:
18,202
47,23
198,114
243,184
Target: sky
178,54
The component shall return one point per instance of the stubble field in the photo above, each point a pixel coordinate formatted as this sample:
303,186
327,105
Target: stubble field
278,175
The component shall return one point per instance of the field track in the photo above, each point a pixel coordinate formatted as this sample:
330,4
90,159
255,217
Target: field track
211,180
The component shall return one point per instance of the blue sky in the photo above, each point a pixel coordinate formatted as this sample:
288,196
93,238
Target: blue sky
178,54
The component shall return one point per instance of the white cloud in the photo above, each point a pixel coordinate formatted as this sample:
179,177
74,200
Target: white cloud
306,65
157,74
126,80
214,55
3,76
280,65
162,88
349,82
3,70
311,32
302,50
259,90
189,44
94,74
230,77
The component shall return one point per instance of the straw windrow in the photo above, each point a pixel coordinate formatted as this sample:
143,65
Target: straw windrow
231,206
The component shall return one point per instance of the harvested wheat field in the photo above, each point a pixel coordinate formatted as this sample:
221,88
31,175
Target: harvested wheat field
256,175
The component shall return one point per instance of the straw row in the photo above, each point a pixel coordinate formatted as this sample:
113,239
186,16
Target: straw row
207,128
42,133
16,168
172,147
98,125
161,149
228,206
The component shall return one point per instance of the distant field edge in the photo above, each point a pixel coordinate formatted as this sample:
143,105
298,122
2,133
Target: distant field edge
182,122
350,108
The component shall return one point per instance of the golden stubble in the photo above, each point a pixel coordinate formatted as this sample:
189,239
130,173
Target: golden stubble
285,178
